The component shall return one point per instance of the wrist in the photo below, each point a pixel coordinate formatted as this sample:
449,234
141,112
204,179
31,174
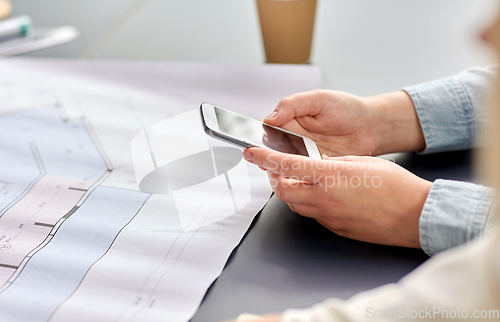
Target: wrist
395,124
411,218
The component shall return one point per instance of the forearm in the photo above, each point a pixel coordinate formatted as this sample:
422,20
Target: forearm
395,123
441,115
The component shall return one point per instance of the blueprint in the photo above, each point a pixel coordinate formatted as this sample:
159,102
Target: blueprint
114,204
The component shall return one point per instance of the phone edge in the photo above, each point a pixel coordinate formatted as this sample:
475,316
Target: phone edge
311,146
218,135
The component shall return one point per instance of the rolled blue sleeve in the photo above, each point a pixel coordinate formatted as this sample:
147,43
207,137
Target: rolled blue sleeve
454,213
450,109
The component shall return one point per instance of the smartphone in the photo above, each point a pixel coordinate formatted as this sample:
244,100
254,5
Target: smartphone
246,132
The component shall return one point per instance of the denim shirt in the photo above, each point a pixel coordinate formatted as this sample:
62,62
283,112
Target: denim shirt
451,115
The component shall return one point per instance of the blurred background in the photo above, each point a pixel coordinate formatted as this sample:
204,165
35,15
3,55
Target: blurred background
362,46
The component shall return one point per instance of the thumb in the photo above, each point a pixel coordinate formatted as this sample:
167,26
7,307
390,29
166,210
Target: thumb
295,106
280,116
286,110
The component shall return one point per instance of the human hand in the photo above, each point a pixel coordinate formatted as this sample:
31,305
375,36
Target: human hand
345,124
364,198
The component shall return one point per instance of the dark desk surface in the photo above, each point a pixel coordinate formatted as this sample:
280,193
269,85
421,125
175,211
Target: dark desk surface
286,260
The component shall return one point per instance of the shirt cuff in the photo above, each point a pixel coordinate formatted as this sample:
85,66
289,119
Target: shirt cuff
446,115
454,213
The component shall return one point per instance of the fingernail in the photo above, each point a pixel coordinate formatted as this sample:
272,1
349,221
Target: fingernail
272,115
248,155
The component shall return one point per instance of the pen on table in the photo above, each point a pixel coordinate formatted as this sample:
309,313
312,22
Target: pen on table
15,27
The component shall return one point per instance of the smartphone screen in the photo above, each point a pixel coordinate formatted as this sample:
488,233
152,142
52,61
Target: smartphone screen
259,134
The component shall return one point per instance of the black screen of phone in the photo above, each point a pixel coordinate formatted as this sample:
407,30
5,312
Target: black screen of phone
259,134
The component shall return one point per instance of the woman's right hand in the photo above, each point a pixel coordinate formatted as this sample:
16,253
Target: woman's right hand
345,124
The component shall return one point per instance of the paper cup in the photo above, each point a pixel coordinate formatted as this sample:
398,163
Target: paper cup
287,29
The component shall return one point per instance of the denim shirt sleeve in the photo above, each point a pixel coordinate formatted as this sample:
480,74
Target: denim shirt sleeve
454,213
450,109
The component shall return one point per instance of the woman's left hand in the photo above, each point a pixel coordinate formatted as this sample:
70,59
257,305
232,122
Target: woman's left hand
364,198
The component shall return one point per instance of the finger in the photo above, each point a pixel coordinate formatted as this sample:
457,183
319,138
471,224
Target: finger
348,158
264,169
289,165
297,105
292,191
